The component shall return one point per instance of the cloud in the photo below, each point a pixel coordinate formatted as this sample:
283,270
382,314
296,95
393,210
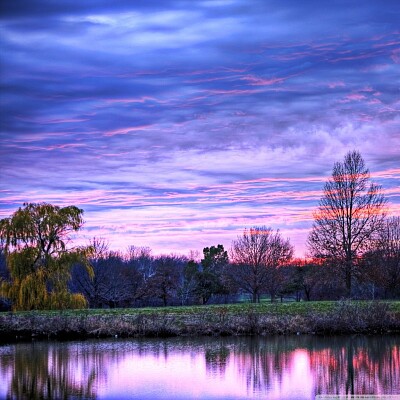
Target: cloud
177,125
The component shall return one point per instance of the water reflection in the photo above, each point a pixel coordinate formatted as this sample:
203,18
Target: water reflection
222,368
216,359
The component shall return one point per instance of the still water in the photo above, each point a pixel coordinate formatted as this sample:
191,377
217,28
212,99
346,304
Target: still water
295,367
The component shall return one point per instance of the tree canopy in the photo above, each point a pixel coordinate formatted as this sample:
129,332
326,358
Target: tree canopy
257,254
210,277
36,239
349,218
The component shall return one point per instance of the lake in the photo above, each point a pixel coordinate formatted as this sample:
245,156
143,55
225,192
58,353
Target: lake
281,367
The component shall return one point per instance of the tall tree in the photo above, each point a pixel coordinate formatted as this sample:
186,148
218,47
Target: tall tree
36,241
257,255
209,279
349,217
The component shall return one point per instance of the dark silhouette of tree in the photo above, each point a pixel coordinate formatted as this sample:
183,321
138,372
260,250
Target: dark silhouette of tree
277,279
164,283
119,286
257,255
214,257
115,279
141,259
206,285
91,285
210,277
187,284
349,217
383,263
36,241
306,275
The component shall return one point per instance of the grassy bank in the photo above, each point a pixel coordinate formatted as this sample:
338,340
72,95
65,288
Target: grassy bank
234,319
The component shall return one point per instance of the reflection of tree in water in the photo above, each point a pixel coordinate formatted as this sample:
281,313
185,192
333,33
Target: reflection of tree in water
216,360
357,365
262,361
55,371
216,350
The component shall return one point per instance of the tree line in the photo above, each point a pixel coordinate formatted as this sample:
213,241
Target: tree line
353,252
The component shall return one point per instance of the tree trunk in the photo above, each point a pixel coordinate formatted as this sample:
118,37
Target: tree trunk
348,282
254,299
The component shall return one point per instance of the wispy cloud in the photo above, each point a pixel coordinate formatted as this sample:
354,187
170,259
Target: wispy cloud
176,125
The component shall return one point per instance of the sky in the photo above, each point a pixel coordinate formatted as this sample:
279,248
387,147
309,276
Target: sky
176,124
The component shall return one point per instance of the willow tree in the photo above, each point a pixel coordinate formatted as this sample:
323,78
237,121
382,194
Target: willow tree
349,218
39,260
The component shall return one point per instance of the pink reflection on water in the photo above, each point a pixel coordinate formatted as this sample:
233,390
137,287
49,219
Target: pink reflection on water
202,368
185,374
188,376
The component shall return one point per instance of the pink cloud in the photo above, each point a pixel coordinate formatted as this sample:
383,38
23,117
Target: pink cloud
396,56
124,131
353,97
387,44
352,57
374,101
388,173
256,81
65,146
367,89
142,99
333,85
232,92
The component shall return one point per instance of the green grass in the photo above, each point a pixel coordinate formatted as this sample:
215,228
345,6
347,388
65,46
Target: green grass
290,308
322,317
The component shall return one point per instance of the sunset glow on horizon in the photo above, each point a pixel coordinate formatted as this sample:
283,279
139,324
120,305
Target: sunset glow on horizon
176,125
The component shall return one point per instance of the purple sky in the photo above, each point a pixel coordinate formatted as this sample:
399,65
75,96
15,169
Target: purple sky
176,124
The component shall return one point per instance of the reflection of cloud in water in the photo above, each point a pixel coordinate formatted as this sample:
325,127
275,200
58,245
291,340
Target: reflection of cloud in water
278,367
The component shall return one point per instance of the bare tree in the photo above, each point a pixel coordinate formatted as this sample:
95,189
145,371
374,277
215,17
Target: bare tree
257,254
307,275
91,286
164,283
142,260
187,281
349,217
383,262
114,281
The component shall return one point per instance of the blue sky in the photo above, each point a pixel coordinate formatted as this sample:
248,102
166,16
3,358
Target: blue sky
177,124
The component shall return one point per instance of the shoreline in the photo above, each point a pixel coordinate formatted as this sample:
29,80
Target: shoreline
343,317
